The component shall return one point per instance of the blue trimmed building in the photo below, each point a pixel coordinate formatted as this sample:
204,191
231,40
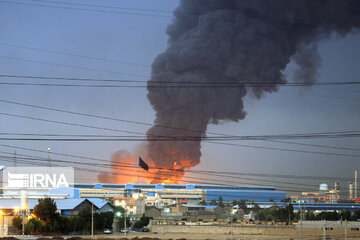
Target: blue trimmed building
190,192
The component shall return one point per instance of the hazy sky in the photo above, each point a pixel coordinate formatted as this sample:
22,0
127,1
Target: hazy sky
138,37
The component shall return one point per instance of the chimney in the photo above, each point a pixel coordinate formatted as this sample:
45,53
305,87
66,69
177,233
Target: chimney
351,191
356,186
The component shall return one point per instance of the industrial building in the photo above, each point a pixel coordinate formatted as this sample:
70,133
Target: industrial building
181,192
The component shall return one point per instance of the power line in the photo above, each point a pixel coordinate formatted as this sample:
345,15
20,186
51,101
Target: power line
73,55
85,9
200,172
352,133
126,173
134,170
71,66
177,84
98,137
170,138
30,161
179,138
314,145
223,173
110,7
258,137
154,175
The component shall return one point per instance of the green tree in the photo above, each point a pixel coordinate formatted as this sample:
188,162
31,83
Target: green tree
221,203
64,224
85,216
45,209
142,222
108,218
99,222
242,204
256,207
213,202
356,216
17,222
122,223
34,226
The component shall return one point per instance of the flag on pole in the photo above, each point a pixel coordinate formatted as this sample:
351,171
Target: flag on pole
143,164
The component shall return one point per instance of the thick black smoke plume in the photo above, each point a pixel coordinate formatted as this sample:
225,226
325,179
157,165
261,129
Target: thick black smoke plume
237,41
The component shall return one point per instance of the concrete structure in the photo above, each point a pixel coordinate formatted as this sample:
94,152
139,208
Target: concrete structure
324,195
327,206
351,191
356,184
180,192
337,190
133,206
152,212
36,193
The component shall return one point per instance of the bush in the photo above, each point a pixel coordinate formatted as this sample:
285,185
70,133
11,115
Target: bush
17,223
34,226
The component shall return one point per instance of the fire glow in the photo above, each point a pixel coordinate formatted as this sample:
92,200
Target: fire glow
125,169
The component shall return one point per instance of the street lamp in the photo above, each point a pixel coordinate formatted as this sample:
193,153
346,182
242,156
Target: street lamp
118,214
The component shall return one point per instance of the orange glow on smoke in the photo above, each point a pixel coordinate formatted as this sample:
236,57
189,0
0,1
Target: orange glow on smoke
125,169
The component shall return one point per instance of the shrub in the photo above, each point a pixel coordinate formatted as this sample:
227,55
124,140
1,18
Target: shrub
17,223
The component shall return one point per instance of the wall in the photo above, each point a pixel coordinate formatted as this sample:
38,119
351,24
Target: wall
250,230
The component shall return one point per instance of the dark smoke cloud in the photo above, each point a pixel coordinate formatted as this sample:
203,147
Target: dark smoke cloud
234,41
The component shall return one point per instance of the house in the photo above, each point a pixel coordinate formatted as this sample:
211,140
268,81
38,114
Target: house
102,205
222,213
132,205
69,207
153,212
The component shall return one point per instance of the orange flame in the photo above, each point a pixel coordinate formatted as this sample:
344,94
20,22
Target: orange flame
125,169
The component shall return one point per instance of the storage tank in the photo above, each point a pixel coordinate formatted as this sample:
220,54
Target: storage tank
351,191
24,200
324,187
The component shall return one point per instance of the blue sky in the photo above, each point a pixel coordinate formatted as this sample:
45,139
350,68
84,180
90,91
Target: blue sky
139,39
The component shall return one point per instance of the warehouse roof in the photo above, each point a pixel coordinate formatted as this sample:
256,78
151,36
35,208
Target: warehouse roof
98,202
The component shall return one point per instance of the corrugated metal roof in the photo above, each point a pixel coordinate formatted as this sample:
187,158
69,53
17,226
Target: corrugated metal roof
98,202
68,204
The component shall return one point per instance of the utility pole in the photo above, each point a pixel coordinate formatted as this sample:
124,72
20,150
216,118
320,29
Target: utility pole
92,219
22,223
301,219
125,221
324,231
345,237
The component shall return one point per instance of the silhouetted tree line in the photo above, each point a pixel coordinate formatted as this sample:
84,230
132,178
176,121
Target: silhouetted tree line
330,216
46,220
276,214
